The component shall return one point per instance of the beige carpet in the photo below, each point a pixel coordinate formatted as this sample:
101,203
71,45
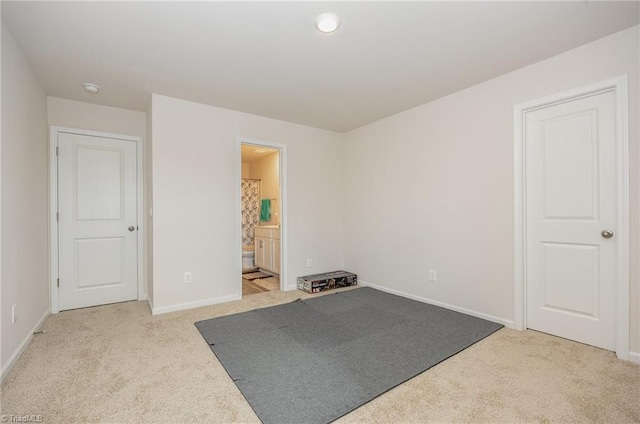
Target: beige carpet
119,364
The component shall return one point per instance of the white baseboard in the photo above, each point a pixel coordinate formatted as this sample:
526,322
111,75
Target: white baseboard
634,357
507,323
191,305
18,352
150,304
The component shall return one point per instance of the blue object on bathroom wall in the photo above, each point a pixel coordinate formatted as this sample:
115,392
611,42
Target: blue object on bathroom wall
265,210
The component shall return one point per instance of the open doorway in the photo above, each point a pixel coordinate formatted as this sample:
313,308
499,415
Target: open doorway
260,218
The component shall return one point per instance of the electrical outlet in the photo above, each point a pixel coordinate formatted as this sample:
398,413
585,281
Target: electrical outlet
187,277
309,262
14,313
432,275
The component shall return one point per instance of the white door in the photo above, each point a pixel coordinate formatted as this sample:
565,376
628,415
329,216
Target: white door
97,194
571,219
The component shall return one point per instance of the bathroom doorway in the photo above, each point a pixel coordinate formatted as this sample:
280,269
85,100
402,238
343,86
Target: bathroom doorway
260,217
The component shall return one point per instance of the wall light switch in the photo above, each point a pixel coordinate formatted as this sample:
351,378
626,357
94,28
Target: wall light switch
14,313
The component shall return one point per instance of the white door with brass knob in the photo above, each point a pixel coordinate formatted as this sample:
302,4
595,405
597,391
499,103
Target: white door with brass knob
571,211
97,228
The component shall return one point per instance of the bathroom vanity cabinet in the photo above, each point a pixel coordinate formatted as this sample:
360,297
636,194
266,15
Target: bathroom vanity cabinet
267,248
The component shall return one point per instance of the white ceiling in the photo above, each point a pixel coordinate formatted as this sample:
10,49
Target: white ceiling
266,58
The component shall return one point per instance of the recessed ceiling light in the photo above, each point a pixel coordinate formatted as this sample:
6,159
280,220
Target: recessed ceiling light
327,22
91,88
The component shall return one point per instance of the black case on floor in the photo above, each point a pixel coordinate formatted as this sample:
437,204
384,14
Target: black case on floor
327,281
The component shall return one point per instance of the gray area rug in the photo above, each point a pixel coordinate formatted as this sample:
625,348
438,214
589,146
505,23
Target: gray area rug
314,360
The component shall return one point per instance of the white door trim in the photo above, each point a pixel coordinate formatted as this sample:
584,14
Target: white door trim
618,85
282,158
53,207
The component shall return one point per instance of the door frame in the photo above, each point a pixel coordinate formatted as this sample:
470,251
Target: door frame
282,162
617,85
54,299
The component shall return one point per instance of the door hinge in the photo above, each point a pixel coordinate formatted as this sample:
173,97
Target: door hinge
57,151
58,282
57,216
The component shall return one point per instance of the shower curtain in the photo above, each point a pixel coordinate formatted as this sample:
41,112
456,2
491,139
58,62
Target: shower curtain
250,209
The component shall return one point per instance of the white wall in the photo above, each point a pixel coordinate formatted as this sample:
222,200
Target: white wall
148,202
2,364
267,170
25,260
89,116
196,166
432,187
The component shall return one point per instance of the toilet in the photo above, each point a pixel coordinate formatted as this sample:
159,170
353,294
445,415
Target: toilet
248,255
